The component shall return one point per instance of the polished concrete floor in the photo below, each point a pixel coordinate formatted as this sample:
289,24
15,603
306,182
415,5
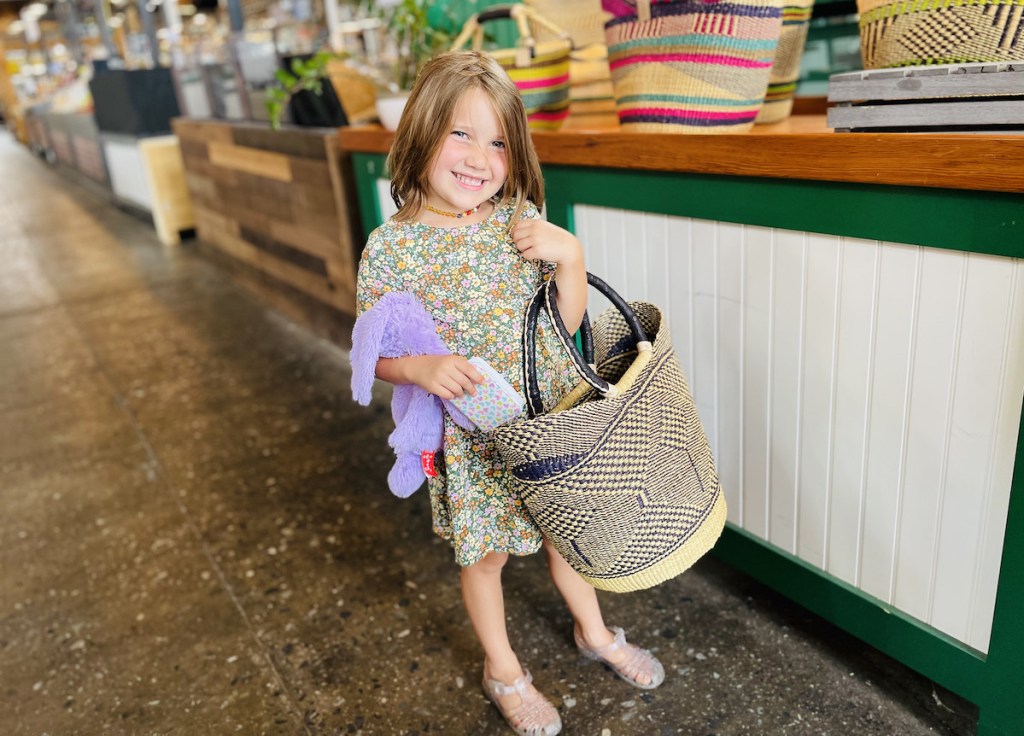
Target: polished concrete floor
196,536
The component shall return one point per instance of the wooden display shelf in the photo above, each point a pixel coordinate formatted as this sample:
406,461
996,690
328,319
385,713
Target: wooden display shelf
165,177
277,208
798,148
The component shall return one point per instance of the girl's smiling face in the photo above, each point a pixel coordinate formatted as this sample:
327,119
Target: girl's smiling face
471,166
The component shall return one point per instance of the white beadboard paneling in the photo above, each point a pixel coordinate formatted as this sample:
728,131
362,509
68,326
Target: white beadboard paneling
817,401
787,317
656,278
1002,453
632,283
621,250
757,445
862,398
887,418
680,306
704,375
846,489
387,205
729,401
934,349
596,247
983,328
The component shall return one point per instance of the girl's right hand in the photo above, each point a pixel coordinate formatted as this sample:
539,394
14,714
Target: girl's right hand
446,376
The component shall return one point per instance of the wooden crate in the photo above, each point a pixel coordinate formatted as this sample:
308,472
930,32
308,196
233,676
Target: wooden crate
970,97
165,176
279,208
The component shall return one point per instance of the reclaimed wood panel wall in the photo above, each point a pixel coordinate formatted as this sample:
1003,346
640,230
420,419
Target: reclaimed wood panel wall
279,209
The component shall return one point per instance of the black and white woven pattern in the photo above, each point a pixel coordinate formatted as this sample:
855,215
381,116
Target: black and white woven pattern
624,487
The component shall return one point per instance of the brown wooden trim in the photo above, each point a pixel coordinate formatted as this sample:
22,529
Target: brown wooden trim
344,191
296,143
810,105
798,148
202,130
251,160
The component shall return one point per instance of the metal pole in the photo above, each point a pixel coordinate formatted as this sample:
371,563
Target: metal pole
69,20
331,16
150,29
237,23
103,21
235,16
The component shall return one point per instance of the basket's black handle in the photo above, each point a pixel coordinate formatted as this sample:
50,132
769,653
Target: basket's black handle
547,296
498,12
531,386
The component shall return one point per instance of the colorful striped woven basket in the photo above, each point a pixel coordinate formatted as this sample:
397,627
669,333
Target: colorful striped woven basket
778,102
940,32
619,477
691,66
591,98
540,70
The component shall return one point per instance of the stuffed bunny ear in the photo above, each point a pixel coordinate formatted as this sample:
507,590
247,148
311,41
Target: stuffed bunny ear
367,335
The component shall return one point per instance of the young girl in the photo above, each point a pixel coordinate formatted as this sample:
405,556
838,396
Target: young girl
469,243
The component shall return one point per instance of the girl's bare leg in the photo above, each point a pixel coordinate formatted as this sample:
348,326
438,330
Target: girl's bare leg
581,598
485,603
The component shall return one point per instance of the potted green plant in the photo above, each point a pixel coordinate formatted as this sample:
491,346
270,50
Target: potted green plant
304,75
417,30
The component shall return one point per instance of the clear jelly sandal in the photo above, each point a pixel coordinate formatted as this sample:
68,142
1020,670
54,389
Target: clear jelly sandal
534,716
639,667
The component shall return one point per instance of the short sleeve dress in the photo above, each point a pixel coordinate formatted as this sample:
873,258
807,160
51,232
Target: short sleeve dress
476,286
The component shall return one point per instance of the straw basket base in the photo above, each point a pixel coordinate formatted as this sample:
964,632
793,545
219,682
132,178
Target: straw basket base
774,112
672,128
678,562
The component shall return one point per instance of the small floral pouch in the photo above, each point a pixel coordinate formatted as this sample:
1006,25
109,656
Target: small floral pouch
496,401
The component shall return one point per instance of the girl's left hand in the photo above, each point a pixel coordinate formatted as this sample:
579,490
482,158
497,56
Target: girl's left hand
539,240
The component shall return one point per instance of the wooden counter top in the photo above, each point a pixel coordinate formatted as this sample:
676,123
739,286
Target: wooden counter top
798,148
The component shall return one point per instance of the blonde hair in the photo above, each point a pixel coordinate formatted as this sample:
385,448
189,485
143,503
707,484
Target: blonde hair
427,120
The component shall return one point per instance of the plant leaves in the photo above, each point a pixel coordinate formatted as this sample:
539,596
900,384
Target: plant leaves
285,78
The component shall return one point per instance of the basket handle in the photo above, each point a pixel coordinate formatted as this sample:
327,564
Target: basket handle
522,15
547,297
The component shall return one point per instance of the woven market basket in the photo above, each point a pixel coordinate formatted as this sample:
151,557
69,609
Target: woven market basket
939,32
690,66
583,20
778,101
591,98
619,478
540,70
591,95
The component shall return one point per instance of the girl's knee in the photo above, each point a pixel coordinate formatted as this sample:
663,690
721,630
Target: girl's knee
492,562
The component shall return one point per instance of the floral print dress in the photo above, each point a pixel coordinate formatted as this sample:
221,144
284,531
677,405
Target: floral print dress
476,286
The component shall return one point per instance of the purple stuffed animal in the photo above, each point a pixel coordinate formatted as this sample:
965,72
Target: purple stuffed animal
396,326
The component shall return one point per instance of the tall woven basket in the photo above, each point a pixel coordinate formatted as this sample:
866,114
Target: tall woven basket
540,70
591,98
691,66
898,33
778,101
619,476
